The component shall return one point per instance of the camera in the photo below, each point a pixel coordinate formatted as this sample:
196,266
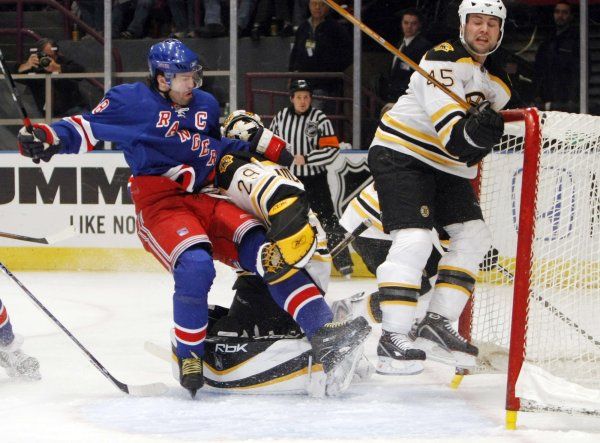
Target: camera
44,59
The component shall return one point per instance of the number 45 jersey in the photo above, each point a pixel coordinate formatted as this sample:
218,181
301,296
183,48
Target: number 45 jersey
421,121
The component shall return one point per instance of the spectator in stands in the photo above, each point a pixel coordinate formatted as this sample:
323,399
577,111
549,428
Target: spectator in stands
92,13
300,13
141,11
321,45
414,45
213,23
47,59
183,13
315,146
557,64
273,17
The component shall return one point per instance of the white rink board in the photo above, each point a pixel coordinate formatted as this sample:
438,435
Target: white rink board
68,195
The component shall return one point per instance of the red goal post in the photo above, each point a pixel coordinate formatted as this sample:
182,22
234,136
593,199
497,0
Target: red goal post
538,293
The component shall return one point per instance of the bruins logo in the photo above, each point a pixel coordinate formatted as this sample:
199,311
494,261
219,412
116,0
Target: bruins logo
425,211
225,162
311,129
475,98
446,47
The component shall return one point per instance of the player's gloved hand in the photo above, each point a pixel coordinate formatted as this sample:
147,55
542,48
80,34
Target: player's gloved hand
41,145
485,126
475,135
241,125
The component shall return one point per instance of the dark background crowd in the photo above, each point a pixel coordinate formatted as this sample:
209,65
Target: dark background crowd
540,52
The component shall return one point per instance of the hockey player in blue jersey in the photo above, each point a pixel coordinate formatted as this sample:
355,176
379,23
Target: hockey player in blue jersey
168,131
12,358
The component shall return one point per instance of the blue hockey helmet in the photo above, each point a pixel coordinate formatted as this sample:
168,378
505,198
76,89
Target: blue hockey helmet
171,57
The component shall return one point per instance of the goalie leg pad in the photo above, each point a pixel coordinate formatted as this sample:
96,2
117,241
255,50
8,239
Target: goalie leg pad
291,231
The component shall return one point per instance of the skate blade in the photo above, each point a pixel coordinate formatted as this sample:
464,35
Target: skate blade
340,378
438,354
435,352
390,366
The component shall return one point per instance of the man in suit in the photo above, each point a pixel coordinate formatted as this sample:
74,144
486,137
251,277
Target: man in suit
414,46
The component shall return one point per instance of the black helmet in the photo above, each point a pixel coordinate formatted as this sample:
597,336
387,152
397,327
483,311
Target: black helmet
300,85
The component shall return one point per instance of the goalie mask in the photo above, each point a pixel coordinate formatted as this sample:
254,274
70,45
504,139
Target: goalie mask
241,125
495,8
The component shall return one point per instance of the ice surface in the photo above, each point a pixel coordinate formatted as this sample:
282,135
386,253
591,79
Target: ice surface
113,314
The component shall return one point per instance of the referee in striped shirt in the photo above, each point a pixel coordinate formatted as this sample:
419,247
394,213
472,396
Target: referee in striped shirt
314,145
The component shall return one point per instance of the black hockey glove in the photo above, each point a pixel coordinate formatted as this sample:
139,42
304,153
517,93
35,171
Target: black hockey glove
41,145
476,134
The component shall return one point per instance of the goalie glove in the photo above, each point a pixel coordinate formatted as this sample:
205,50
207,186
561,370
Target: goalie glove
241,125
41,145
475,135
248,127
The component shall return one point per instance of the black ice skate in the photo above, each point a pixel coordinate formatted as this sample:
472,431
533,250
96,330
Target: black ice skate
17,363
398,355
437,337
338,347
190,374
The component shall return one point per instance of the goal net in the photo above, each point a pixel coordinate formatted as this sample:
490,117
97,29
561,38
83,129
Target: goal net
536,310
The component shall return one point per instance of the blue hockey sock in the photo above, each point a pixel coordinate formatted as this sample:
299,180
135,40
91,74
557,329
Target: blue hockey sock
6,332
194,274
297,295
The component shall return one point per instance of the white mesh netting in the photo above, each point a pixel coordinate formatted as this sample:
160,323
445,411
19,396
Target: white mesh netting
563,321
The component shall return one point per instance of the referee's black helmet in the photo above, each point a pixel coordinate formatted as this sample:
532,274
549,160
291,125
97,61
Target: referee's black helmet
300,85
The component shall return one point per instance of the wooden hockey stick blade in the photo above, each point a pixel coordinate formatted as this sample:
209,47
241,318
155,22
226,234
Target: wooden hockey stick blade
158,351
49,240
62,235
149,390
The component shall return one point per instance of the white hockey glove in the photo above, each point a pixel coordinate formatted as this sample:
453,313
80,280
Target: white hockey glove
241,125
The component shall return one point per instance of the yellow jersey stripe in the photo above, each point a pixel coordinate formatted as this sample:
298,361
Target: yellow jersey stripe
358,208
416,149
500,83
445,110
411,131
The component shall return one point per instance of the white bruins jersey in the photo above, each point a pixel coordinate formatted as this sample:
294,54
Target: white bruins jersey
251,188
366,205
421,121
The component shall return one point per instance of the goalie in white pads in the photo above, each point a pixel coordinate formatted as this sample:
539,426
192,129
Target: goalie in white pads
424,152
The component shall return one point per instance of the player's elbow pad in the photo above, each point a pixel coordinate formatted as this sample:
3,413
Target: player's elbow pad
272,147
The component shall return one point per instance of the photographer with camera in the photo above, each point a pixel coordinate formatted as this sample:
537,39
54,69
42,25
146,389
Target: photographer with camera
45,58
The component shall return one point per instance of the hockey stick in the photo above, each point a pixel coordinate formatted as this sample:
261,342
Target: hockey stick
364,28
134,390
49,240
490,262
364,225
17,98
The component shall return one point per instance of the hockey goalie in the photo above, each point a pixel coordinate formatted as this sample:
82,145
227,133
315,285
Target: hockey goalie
254,346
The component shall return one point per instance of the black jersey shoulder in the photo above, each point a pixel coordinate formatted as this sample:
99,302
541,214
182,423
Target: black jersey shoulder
450,51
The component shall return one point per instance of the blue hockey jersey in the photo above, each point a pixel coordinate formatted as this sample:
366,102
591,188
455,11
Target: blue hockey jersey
157,137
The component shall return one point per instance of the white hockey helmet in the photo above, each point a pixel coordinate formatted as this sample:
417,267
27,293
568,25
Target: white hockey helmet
494,8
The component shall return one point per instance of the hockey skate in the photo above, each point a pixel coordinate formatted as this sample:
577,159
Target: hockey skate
17,363
398,355
436,336
190,374
337,346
